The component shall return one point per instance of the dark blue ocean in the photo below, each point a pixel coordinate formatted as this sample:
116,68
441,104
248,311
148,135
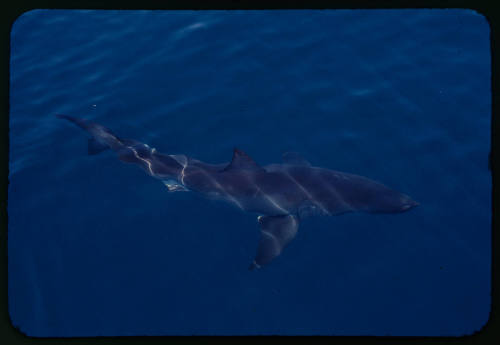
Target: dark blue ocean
98,247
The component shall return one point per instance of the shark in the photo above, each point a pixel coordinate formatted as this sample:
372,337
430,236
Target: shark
281,195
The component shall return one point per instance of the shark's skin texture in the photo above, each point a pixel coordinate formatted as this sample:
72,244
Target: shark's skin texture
281,194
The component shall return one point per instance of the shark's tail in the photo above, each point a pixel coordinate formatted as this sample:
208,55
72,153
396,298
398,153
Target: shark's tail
101,137
61,116
129,151
84,124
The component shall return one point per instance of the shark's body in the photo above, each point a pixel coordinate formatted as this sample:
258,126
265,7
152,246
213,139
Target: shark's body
281,194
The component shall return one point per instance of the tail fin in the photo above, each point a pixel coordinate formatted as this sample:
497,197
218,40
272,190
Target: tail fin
61,116
98,142
79,122
95,147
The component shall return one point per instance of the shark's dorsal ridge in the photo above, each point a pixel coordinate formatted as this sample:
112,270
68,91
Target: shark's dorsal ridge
242,161
294,158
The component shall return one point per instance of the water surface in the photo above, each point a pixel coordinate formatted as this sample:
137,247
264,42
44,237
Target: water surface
96,247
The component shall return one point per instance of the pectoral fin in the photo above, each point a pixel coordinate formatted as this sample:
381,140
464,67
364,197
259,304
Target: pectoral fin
276,233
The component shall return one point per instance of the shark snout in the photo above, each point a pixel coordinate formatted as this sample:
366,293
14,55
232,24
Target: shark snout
408,203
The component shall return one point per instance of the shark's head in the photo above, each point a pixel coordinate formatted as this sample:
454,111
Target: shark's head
391,201
397,202
407,203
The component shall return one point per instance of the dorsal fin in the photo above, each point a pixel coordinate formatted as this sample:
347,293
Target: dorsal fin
242,161
294,158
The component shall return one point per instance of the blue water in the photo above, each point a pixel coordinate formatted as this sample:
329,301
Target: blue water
97,247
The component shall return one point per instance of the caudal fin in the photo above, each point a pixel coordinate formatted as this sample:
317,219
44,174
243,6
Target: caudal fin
62,116
79,122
